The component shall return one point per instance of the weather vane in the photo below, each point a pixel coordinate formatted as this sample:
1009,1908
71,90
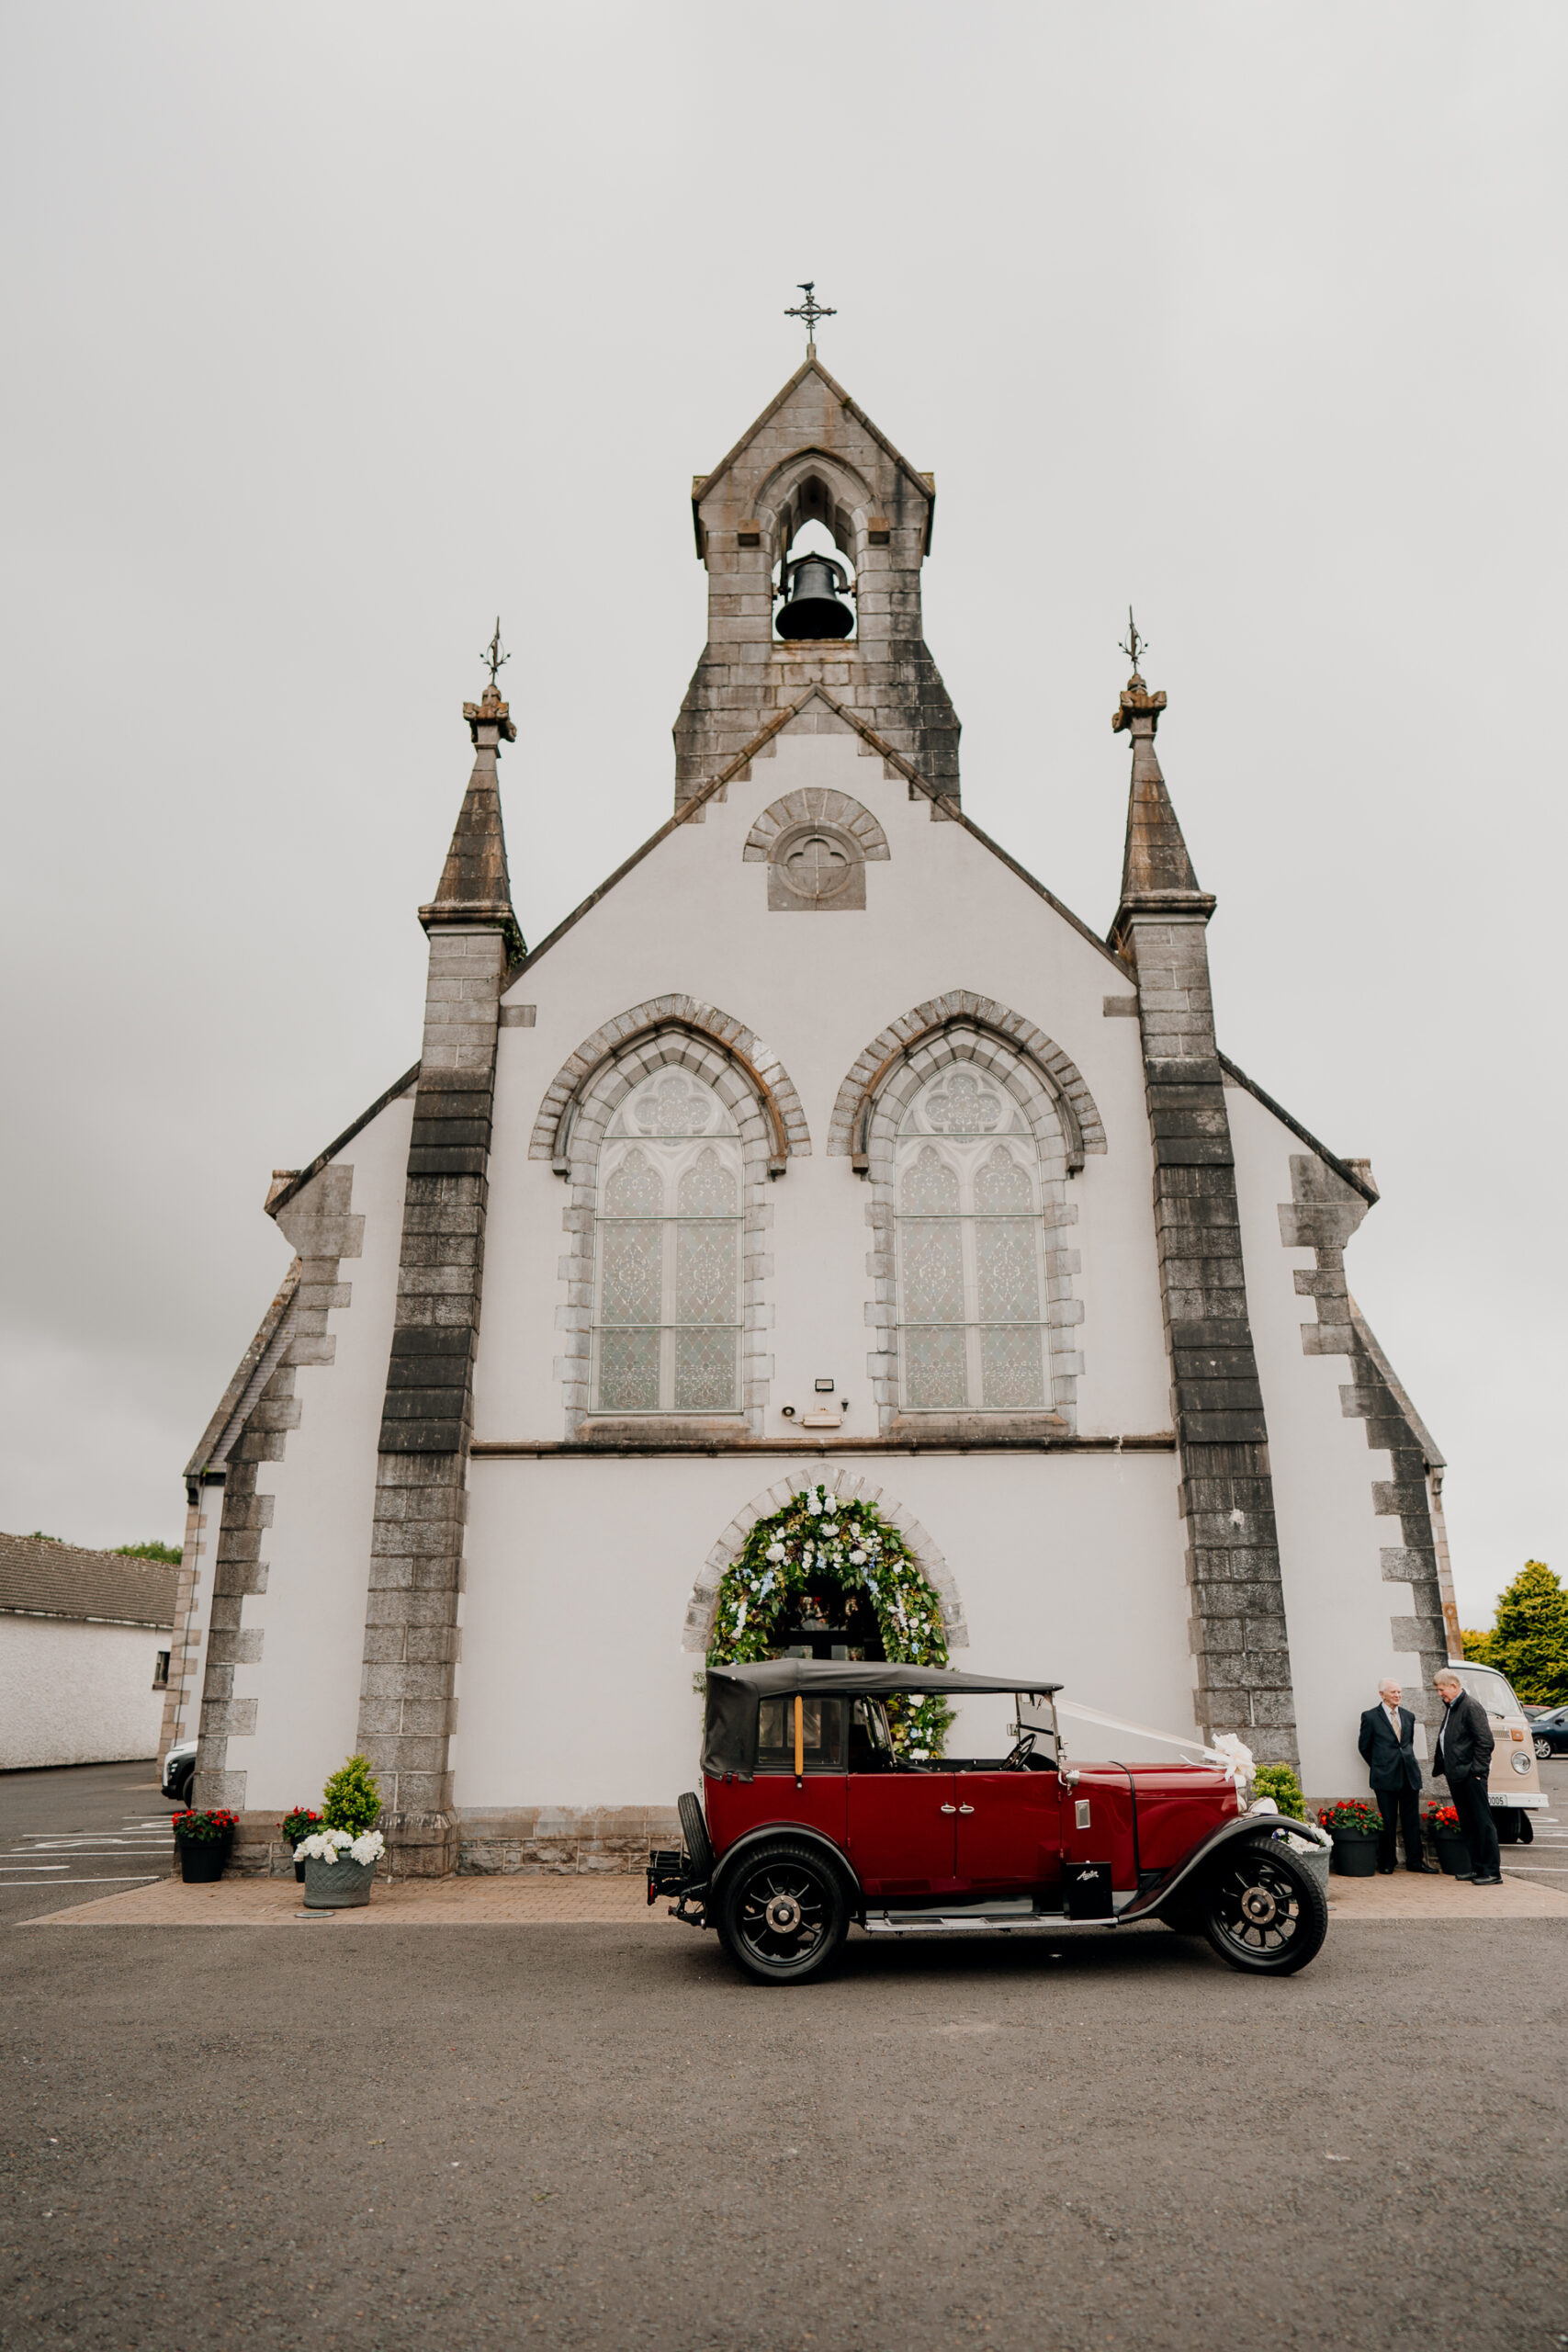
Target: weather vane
811,309
1133,646
494,653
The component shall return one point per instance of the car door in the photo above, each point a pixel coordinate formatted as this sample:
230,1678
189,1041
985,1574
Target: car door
1009,1834
901,1832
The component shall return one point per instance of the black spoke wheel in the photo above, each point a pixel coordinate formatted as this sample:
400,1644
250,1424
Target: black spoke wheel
1263,1910
783,1914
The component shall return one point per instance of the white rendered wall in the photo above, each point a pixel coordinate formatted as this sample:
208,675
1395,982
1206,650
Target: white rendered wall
78,1694
574,1688
943,914
1338,1607
311,1616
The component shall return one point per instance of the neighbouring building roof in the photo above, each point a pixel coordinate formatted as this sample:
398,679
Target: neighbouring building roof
40,1579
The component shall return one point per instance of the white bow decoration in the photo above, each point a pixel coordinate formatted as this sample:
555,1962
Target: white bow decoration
1235,1755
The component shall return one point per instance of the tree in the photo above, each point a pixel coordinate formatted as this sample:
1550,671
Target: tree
1477,1647
1530,1643
168,1553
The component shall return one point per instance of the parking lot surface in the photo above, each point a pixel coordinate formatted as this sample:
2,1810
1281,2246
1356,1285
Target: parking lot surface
596,2135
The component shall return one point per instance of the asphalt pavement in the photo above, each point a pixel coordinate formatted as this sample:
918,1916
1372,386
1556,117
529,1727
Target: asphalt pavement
598,2136
95,1826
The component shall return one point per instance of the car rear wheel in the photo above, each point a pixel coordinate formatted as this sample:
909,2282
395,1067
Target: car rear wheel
1543,1749
1263,1910
783,1914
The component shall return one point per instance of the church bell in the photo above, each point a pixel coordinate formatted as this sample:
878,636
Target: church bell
812,609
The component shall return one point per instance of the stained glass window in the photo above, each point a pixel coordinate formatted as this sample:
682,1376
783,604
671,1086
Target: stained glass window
971,1264
667,1319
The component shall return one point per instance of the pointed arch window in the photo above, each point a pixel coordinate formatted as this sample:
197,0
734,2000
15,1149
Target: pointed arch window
971,1269
667,1313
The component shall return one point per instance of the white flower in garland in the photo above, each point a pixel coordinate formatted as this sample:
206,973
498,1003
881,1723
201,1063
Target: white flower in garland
857,1558
777,1552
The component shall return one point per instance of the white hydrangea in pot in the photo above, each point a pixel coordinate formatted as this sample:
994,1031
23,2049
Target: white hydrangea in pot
340,1860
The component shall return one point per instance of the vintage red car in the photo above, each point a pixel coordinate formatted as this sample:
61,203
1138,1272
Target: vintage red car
810,1819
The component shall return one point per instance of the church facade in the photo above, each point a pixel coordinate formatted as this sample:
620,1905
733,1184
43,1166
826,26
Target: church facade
933,1195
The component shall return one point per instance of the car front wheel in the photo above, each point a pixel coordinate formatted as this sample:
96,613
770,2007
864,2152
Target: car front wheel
1543,1749
783,1914
1263,1910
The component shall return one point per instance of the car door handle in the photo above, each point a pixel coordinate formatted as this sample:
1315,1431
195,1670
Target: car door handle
965,1808
950,1808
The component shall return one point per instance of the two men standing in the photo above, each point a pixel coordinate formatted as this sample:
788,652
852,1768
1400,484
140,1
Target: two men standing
1462,1757
1388,1749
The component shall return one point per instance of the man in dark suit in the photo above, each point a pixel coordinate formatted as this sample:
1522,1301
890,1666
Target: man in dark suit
1463,1758
1388,1751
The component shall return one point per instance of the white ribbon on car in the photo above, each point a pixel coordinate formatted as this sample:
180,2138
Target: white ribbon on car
1227,1749
1234,1754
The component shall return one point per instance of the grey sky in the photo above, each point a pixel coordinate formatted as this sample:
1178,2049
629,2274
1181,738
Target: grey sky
334,331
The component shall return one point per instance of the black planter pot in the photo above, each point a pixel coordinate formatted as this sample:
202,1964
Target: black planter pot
1454,1854
202,1859
298,1872
1355,1854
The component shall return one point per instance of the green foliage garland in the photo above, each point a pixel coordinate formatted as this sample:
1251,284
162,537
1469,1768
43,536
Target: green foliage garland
350,1799
818,1537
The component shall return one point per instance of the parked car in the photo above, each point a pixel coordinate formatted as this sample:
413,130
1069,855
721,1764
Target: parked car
179,1770
809,1818
1549,1731
1514,1786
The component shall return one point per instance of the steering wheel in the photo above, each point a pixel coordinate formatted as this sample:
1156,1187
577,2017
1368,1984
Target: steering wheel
1017,1759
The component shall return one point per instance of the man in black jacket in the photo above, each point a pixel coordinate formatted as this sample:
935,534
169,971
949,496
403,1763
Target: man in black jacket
1388,1749
1463,1758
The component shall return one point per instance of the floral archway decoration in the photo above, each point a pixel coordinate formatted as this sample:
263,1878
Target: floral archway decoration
820,1537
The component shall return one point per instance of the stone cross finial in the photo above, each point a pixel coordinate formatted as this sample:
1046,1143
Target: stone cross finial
811,309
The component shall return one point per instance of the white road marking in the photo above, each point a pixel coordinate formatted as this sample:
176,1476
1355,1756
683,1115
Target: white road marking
144,1877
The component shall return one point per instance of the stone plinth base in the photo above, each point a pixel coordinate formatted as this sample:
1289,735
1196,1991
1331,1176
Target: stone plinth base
556,1841
564,1840
421,1845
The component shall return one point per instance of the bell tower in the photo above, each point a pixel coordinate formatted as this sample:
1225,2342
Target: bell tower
780,622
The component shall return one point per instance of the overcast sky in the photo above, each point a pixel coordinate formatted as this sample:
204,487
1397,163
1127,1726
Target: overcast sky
334,331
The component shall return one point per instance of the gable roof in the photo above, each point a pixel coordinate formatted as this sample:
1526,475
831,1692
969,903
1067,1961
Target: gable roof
949,809
253,1372
41,1579
951,814
1348,1172
924,483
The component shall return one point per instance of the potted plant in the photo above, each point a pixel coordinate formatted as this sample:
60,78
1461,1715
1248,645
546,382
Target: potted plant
340,1858
295,1827
1275,1789
204,1840
1355,1826
1442,1825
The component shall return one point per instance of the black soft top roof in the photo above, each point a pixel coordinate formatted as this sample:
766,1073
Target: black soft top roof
735,1693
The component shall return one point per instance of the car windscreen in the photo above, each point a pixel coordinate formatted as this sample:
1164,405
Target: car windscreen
1496,1695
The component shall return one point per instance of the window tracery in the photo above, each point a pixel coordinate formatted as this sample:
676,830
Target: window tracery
667,1325
970,1251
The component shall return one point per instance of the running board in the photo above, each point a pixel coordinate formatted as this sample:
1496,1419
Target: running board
985,1919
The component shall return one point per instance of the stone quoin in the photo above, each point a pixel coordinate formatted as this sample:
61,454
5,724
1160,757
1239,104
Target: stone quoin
951,1202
